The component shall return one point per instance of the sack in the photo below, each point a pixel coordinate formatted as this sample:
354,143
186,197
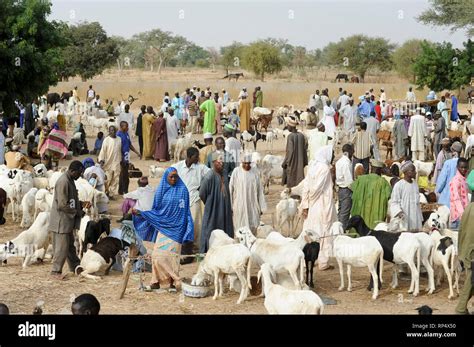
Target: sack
470,181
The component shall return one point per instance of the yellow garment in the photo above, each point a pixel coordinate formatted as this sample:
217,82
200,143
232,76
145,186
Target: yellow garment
204,152
147,122
62,122
244,114
424,182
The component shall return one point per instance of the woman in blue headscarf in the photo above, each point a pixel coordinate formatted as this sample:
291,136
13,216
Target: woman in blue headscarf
168,224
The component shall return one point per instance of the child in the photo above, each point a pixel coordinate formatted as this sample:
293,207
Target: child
85,304
234,119
98,143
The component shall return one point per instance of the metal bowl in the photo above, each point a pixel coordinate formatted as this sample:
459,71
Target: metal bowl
195,291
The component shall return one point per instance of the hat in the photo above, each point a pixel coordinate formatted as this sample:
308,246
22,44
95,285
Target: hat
376,163
229,127
456,146
207,136
247,158
217,156
291,121
445,141
406,165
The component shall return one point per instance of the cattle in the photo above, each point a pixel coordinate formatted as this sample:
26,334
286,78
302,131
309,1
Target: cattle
341,76
355,79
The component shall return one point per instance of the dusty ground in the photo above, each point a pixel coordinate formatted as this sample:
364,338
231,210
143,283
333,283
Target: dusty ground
21,289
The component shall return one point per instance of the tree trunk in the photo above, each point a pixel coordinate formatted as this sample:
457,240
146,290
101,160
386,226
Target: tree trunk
159,66
262,77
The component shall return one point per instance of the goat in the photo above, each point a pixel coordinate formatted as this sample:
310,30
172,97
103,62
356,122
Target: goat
279,300
92,233
181,145
43,201
398,248
252,136
156,171
311,253
286,211
271,168
27,204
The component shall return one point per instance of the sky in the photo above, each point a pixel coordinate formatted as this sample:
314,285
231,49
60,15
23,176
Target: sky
215,23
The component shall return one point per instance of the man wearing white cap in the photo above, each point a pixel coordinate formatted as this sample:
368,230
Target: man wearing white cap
405,198
232,145
246,194
383,96
417,132
209,148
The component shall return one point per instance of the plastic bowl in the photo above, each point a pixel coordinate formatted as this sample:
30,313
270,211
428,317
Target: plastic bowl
195,291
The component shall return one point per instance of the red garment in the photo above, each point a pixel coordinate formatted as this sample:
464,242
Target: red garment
161,139
378,112
458,196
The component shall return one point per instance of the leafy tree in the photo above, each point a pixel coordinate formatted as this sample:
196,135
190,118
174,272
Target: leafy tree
232,55
464,70
359,53
458,14
261,57
404,58
30,56
300,58
435,66
192,54
213,57
287,51
89,52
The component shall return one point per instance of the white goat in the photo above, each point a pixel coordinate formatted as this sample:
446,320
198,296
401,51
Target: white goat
281,255
43,201
279,300
226,259
28,244
271,168
358,252
286,211
182,144
156,171
27,204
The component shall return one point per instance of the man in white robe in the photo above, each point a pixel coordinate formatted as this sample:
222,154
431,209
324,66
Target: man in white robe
127,116
246,194
417,132
317,202
316,139
373,126
110,157
328,120
349,117
232,145
172,128
405,199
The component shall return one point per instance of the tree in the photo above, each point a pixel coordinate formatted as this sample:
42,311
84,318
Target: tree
261,57
464,70
435,66
359,53
404,58
213,57
192,54
89,52
458,14
30,57
232,55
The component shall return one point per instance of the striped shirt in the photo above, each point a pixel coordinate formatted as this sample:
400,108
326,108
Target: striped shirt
362,143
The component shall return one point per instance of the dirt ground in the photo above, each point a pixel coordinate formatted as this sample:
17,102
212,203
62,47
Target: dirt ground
22,289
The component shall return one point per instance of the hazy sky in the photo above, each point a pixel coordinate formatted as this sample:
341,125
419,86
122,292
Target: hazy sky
309,23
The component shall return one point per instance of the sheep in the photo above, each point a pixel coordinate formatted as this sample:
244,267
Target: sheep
181,145
358,252
29,242
53,178
398,248
271,168
41,182
91,233
306,236
270,137
263,230
43,201
40,170
286,211
423,168
281,255
219,238
100,257
226,259
27,204
22,184
156,171
256,160
278,133
279,300
444,256
444,213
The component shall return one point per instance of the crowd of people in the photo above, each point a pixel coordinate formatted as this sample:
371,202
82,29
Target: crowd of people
217,186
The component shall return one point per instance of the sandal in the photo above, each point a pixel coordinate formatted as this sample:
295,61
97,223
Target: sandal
155,287
172,289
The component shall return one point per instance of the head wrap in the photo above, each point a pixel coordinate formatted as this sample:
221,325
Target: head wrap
456,146
170,214
229,127
445,141
207,136
406,166
88,162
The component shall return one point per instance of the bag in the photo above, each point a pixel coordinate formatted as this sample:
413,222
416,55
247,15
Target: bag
133,172
470,181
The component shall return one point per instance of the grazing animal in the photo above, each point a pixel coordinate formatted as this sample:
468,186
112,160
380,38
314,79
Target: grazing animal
341,76
27,204
398,248
311,253
232,76
279,300
286,211
355,79
100,257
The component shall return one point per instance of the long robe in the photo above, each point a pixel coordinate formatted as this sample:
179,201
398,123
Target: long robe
454,108
370,194
328,121
111,154
440,159
316,140
406,198
400,133
417,132
244,114
147,122
209,108
248,200
439,133
444,179
296,159
318,198
259,98
160,138
214,193
29,120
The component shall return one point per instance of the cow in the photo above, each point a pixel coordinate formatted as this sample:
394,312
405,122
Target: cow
341,76
52,99
235,76
354,79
